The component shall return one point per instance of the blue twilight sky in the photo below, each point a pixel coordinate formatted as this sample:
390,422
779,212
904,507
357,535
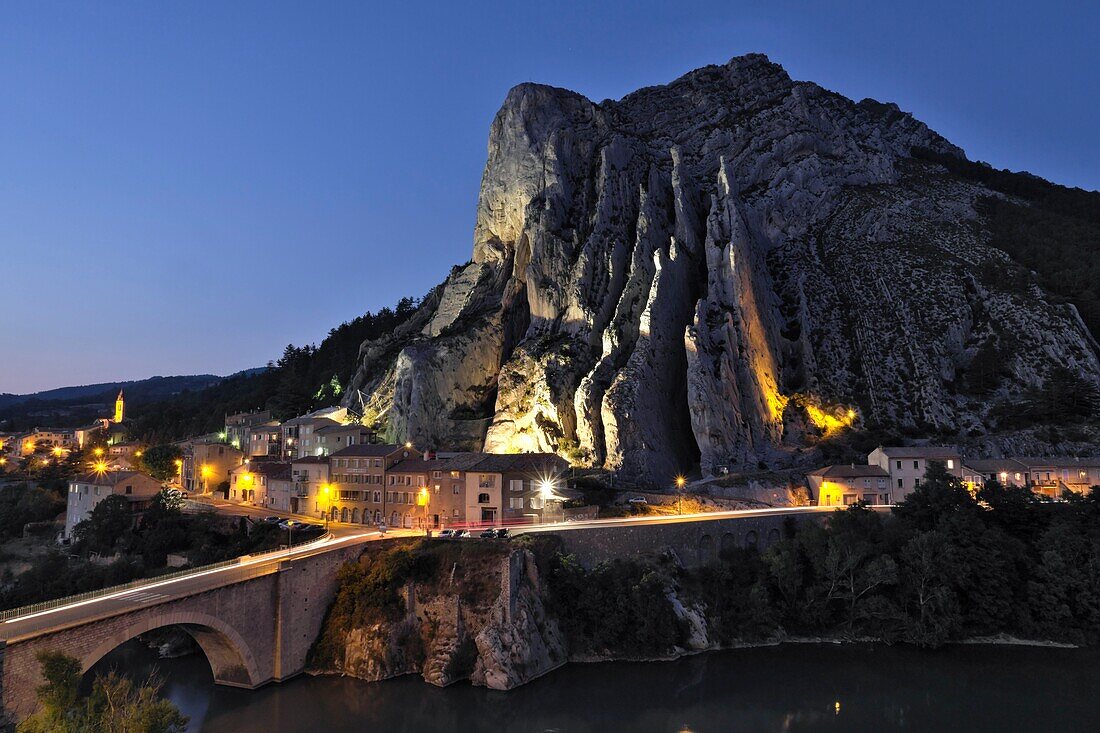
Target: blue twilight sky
187,187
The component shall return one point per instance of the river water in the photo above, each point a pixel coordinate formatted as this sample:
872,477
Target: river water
794,687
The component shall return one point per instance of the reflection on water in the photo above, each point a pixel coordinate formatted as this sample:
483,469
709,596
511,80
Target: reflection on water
788,688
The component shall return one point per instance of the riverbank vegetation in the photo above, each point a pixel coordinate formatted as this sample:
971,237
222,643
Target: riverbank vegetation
115,703
945,566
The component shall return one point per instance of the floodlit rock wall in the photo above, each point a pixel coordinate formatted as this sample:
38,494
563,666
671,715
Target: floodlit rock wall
715,271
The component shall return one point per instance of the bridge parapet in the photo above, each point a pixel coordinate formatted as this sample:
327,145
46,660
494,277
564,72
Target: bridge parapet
694,543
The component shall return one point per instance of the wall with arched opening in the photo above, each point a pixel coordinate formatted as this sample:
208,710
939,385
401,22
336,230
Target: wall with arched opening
230,659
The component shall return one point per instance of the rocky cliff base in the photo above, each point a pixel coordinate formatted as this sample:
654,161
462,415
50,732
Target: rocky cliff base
945,567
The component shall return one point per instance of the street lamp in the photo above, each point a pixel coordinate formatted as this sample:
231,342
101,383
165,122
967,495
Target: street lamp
422,498
205,472
327,490
680,482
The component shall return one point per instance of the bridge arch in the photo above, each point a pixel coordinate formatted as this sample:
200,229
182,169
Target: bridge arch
231,660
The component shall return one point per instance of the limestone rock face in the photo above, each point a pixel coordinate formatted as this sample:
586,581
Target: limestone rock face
710,272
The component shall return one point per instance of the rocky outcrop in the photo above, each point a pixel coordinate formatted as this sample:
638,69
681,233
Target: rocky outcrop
714,271
482,619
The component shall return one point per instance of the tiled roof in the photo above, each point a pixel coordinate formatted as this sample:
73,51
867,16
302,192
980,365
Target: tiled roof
850,471
338,428
920,451
271,469
417,465
993,465
507,462
377,450
1059,461
107,478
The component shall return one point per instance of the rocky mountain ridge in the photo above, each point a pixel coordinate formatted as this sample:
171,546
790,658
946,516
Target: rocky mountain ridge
719,271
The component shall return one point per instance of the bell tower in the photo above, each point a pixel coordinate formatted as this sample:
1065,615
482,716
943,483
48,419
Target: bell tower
119,405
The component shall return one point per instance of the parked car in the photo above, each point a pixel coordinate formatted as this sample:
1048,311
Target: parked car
502,533
290,524
463,534
488,534
271,520
637,500
446,534
310,527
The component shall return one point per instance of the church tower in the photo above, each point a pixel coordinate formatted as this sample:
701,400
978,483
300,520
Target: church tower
118,407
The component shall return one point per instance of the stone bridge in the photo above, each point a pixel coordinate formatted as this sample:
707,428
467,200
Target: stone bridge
255,622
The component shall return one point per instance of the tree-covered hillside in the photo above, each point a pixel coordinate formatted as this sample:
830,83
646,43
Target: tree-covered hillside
304,378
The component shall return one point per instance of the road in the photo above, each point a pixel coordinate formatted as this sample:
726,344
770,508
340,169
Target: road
339,536
651,519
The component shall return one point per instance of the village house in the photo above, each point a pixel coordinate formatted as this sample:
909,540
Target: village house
358,481
298,432
207,462
124,455
907,465
238,427
249,481
847,484
329,439
265,441
87,490
44,440
310,476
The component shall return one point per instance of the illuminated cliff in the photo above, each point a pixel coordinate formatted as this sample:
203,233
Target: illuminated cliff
718,271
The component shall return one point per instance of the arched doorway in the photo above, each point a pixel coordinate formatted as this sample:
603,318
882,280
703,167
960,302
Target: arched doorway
706,550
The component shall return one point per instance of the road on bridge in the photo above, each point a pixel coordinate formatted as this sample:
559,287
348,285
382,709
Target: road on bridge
154,592
339,536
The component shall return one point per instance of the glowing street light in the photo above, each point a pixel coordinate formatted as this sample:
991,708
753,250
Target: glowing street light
98,451
680,483
100,467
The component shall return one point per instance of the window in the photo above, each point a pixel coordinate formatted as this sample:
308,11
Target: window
950,462
916,465
899,464
377,496
129,489
899,484
454,512
916,482
516,485
483,498
455,489
516,502
437,474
